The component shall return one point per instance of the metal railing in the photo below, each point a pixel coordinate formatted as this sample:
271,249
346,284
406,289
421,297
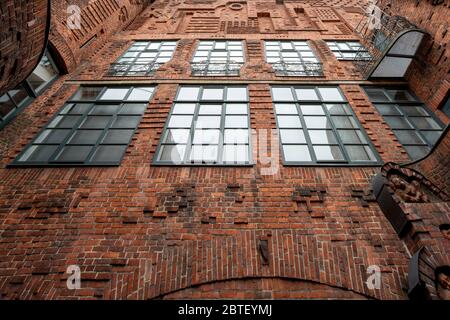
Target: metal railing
133,69
298,69
211,68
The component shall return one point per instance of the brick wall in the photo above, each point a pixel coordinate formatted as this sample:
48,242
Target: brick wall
139,231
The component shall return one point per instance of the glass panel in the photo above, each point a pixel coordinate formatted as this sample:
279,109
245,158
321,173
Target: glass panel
306,94
416,152
109,153
52,136
236,122
212,94
237,94
352,137
236,109
400,95
188,93
204,153
360,153
134,108
337,109
322,137
38,153
42,75
208,122
286,108
317,122
114,94
292,136
87,93
282,94
177,136
140,94
210,109
19,95
431,136
180,121
183,108
408,137
296,153
174,153
126,122
344,122
104,109
312,109
424,123
64,122
377,95
397,122
85,137
289,122
6,105
387,109
328,153
330,94
235,154
74,154
206,136
118,136
94,122
414,111
234,136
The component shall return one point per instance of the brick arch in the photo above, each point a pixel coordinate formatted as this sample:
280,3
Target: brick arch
264,288
61,52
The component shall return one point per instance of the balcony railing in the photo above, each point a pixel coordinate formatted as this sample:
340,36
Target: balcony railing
210,68
133,69
385,37
298,69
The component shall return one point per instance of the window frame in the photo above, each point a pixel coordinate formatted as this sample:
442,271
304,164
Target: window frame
186,162
76,126
206,72
397,105
346,162
151,70
340,51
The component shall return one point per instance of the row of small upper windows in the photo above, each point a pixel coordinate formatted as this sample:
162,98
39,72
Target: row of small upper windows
226,57
210,125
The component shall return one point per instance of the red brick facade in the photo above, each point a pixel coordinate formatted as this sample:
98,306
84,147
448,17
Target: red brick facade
139,231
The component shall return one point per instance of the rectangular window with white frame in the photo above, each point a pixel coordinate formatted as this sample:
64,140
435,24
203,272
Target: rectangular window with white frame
348,50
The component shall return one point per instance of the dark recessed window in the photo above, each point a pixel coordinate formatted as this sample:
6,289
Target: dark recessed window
208,125
416,128
93,128
12,102
143,58
292,58
317,126
348,50
218,58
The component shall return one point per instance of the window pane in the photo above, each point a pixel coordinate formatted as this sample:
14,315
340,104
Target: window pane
118,137
105,109
64,122
85,137
235,136
237,94
397,122
296,153
289,122
344,122
52,136
360,153
203,153
38,153
416,152
387,109
337,109
292,136
140,94
94,122
180,121
408,137
109,153
208,122
282,94
322,136
188,93
236,122
126,122
286,108
328,153
236,109
317,122
134,108
19,95
377,95
173,153
206,136
424,123
414,111
352,137
114,94
177,136
331,94
87,93
212,94
432,136
184,108
74,154
312,110
400,95
235,154
306,94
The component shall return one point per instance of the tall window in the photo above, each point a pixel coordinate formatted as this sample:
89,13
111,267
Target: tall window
415,127
348,50
143,58
317,126
218,58
292,58
93,128
207,125
12,102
